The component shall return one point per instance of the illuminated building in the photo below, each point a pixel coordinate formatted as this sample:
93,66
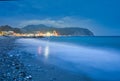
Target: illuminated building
55,33
37,34
7,33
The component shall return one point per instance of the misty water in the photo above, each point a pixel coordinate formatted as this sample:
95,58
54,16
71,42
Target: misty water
95,57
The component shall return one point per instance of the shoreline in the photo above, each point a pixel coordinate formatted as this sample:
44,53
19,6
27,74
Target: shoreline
30,69
11,68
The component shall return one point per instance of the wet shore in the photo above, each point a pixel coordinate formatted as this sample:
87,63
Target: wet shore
42,69
16,64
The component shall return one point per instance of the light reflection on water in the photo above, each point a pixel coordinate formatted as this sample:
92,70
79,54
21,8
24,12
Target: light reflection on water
46,54
44,50
96,63
39,50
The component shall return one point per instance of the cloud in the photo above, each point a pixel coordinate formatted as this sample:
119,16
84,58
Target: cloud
61,22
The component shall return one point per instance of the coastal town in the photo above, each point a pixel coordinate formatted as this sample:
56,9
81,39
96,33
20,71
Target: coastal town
36,34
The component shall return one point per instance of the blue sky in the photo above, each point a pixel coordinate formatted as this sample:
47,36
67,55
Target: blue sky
100,16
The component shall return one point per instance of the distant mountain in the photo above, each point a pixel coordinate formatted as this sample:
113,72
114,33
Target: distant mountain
33,28
9,28
74,31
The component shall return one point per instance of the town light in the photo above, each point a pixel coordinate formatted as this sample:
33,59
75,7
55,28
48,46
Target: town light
37,34
48,34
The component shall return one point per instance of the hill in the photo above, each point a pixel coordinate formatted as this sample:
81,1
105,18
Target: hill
9,28
74,31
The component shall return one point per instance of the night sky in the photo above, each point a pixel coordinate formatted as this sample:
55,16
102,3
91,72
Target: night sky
100,16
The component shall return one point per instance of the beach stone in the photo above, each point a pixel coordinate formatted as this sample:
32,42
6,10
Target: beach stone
11,69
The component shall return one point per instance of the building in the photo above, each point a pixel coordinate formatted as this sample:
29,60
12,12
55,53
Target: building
55,33
7,33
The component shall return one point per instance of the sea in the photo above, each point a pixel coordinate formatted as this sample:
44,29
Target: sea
97,58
